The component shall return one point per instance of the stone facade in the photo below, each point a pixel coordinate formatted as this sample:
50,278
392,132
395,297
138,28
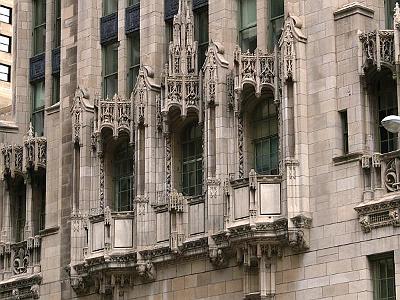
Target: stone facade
312,227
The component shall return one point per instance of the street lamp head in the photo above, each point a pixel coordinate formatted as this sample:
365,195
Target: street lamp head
391,123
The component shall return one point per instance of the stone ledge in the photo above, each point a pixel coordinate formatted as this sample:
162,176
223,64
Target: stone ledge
49,231
55,108
347,158
353,9
8,126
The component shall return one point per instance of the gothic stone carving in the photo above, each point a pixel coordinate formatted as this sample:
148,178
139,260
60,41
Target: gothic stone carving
182,83
35,151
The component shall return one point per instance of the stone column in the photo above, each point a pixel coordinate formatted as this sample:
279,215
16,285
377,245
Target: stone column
88,45
28,208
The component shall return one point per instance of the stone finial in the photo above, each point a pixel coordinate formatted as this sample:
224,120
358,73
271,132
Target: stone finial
30,133
396,16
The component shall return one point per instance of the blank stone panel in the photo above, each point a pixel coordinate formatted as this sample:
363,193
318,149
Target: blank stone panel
123,233
241,202
196,218
270,199
163,226
97,236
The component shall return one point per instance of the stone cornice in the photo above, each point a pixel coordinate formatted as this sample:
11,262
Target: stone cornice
353,9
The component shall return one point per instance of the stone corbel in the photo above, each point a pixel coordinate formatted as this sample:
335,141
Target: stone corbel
218,257
299,236
146,271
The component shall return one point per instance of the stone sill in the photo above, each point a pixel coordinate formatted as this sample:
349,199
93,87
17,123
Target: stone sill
49,231
55,108
8,126
347,158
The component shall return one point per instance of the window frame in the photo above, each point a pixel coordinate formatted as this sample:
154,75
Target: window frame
57,24
9,43
192,161
8,74
106,76
271,22
201,45
389,13
268,139
345,130
133,67
38,27
106,9
8,16
375,269
55,89
36,111
120,158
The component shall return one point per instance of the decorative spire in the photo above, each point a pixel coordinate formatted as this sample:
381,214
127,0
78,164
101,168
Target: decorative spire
30,133
396,16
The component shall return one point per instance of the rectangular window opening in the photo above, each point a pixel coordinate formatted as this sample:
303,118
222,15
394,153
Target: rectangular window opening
39,26
201,33
248,25
5,43
5,14
38,107
133,60
5,72
345,131
383,275
276,19
110,70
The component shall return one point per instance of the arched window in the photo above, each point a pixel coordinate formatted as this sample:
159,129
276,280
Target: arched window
265,138
192,153
123,177
387,105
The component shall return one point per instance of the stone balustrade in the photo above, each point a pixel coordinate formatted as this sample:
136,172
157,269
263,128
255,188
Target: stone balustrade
377,49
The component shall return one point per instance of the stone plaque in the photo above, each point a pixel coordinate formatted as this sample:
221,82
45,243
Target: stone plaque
241,202
270,198
97,236
123,233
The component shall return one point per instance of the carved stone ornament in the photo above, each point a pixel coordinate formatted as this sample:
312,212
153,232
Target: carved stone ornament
13,160
20,260
176,201
291,35
212,67
146,270
181,80
80,106
116,114
218,257
35,151
396,16
240,135
142,94
377,48
375,214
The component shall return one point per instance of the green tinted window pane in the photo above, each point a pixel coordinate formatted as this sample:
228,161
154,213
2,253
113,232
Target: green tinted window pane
110,6
111,86
248,13
248,39
111,59
389,12
277,8
133,2
134,49
38,95
55,95
39,39
40,12
38,122
123,176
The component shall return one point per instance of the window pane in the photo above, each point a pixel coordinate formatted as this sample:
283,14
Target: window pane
133,2
56,89
389,12
248,39
40,12
5,72
248,13
110,6
277,8
123,176
39,39
38,122
38,95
